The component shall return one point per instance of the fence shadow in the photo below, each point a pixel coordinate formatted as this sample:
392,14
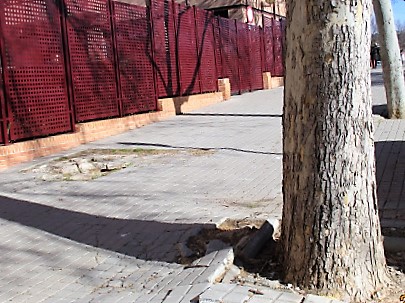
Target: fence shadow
147,240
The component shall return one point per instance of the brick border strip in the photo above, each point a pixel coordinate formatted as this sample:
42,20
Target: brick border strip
90,131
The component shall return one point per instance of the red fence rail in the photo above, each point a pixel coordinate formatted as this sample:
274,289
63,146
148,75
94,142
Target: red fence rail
68,61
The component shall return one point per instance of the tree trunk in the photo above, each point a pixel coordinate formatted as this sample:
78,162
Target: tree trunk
391,59
331,236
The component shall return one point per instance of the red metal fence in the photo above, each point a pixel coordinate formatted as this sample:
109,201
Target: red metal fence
165,48
134,58
255,52
33,69
189,68
230,53
91,51
3,121
67,61
206,64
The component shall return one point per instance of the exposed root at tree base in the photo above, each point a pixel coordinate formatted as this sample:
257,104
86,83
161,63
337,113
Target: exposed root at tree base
265,269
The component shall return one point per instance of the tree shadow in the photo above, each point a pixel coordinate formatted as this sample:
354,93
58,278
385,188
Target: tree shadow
390,175
380,110
377,78
233,115
147,240
145,144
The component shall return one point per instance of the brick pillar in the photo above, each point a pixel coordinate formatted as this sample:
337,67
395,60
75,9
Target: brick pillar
224,86
267,80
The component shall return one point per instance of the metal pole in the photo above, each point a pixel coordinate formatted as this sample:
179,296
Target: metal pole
152,46
111,13
6,113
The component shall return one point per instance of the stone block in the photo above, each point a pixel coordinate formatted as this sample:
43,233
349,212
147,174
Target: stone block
267,80
224,86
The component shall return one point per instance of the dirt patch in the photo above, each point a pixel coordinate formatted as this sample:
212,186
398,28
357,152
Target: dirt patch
265,269
95,163
236,233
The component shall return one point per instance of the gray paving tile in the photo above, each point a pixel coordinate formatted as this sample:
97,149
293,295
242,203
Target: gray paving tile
122,227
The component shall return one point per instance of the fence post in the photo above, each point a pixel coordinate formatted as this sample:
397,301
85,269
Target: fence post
213,19
262,51
237,54
6,114
218,42
274,52
68,66
152,46
175,12
199,56
111,13
3,126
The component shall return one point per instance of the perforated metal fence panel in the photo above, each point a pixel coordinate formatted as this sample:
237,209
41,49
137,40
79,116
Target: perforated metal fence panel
256,77
187,50
244,56
34,73
229,48
218,48
3,121
165,57
206,50
278,48
92,59
268,56
134,43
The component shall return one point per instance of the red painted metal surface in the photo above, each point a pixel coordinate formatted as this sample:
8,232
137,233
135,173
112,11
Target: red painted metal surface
92,59
268,49
206,50
230,60
218,48
133,40
165,57
187,50
3,120
34,72
278,48
255,51
244,57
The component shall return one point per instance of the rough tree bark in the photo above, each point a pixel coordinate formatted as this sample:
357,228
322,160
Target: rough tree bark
331,236
391,59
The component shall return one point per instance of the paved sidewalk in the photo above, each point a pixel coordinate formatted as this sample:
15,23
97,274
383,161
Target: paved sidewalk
116,238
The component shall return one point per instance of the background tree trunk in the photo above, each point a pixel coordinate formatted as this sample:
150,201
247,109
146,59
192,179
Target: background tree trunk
391,59
331,236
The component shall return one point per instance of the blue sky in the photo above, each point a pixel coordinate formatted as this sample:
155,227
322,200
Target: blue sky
398,6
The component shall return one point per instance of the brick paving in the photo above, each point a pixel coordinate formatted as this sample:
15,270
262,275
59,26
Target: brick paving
115,239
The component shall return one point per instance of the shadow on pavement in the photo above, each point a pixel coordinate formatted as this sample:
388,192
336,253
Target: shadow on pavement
144,144
380,110
233,115
390,175
147,240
